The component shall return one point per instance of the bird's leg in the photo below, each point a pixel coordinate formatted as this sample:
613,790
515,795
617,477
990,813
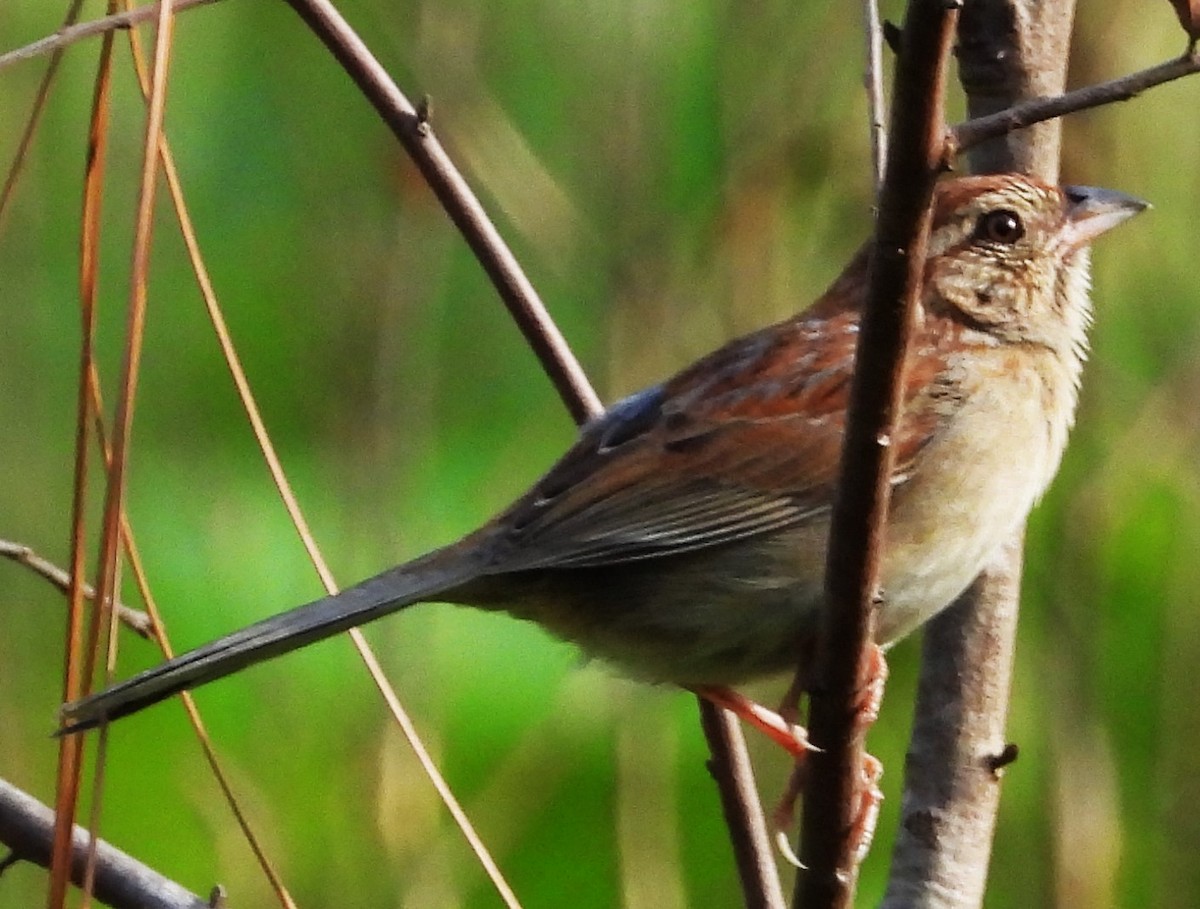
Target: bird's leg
862,830
802,682
869,795
792,737
783,815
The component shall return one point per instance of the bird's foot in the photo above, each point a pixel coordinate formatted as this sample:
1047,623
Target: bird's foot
872,694
866,814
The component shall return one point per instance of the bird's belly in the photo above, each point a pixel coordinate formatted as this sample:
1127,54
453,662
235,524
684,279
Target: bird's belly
719,616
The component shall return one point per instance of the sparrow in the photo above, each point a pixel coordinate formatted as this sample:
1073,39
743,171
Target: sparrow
682,537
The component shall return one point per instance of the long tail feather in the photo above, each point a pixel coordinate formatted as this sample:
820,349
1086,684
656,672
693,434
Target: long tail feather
414,582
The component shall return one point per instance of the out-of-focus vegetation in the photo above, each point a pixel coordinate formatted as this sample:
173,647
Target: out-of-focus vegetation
670,173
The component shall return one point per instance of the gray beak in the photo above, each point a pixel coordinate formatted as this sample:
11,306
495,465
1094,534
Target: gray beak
1091,211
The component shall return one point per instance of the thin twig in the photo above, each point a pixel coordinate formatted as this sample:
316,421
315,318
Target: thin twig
873,78
415,133
134,619
832,790
27,828
972,132
71,34
751,845
75,655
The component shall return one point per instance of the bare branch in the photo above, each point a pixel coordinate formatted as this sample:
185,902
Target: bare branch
972,132
135,619
832,788
729,766
413,129
951,788
72,34
27,828
952,771
873,77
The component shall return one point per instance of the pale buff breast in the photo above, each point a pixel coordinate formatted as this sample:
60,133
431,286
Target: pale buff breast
963,500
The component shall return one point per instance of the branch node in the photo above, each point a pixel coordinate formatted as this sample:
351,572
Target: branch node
949,152
892,35
424,113
1007,755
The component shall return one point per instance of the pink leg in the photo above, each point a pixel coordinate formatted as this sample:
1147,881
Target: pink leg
789,735
783,816
868,707
869,795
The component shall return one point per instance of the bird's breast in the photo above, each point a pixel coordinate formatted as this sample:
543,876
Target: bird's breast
987,463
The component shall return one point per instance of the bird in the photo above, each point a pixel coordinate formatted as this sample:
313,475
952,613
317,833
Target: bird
682,537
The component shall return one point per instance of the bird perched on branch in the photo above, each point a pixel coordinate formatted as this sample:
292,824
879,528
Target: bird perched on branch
683,536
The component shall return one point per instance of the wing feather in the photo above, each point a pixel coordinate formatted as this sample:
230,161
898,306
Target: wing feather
745,442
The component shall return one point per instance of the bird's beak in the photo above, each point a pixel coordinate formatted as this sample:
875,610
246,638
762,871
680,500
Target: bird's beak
1091,211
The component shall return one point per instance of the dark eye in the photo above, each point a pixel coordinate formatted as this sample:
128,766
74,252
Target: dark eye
1000,226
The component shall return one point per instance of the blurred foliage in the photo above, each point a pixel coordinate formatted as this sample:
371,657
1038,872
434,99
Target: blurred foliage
670,173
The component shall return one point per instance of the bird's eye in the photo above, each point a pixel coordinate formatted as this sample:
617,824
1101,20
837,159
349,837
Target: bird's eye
1000,226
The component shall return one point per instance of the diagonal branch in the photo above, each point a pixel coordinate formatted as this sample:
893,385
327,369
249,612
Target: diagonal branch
135,619
72,34
970,133
729,765
27,829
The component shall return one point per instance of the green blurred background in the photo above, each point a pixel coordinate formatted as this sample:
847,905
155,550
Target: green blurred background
670,173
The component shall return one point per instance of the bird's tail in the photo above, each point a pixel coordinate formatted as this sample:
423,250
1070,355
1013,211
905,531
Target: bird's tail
423,579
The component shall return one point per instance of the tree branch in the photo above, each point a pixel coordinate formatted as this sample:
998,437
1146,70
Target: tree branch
27,828
951,791
951,788
970,133
413,129
832,789
71,34
137,620
873,82
729,765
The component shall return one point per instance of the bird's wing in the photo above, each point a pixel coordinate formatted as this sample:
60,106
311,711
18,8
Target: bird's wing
745,442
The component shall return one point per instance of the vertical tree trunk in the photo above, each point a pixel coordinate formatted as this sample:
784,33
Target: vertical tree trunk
1008,51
